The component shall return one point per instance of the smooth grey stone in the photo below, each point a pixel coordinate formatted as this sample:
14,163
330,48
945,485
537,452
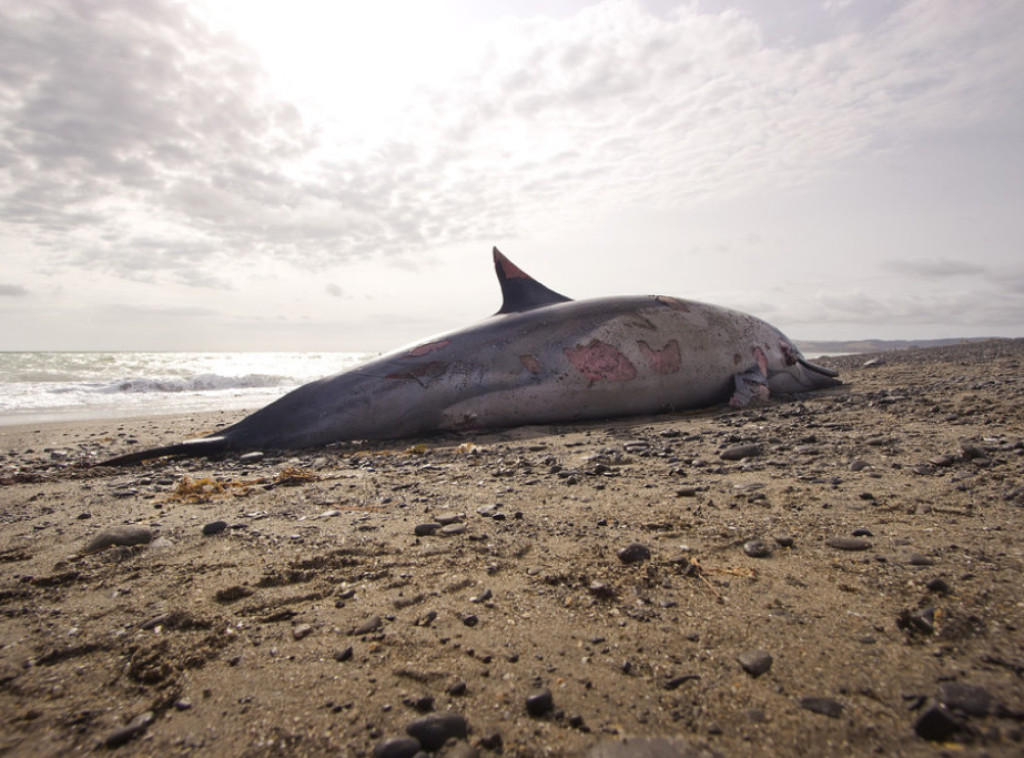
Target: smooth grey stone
433,731
756,662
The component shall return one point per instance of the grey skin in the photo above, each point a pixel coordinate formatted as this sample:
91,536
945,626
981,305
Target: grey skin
543,358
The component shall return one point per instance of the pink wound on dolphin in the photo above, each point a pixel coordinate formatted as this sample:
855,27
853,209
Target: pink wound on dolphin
428,348
599,360
664,361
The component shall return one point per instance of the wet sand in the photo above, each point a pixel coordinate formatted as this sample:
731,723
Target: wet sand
834,574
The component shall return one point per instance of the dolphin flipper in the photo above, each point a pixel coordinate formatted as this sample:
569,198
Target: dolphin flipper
197,447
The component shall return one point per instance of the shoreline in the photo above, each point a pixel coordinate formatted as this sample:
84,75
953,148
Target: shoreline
840,569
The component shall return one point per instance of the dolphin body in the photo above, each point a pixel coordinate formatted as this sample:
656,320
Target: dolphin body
543,358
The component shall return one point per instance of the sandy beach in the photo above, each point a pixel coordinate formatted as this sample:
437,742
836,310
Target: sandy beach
834,574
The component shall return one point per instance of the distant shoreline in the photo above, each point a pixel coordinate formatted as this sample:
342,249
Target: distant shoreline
831,347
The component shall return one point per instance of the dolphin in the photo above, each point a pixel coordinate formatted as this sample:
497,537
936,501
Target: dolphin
542,358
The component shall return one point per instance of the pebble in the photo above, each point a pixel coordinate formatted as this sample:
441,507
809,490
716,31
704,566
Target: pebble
862,533
214,527
425,530
635,553
756,549
457,689
125,536
302,630
966,698
939,585
936,724
433,731
848,543
784,540
826,706
128,733
921,621
343,655
449,518
858,464
916,559
739,452
396,747
371,624
539,702
452,530
755,662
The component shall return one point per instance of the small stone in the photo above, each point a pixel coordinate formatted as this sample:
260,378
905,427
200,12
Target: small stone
858,465
739,452
939,585
756,549
971,450
425,530
396,747
128,733
452,530
433,731
826,706
755,662
966,698
916,559
470,619
936,724
940,460
444,519
301,631
369,626
848,543
922,622
457,689
343,655
675,682
862,533
634,553
214,527
232,593
784,540
124,536
539,702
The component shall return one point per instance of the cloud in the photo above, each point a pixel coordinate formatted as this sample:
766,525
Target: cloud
137,140
12,290
934,269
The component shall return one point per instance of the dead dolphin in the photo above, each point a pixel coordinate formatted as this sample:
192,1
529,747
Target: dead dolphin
542,358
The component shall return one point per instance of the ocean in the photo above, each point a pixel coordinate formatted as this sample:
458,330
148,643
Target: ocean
37,387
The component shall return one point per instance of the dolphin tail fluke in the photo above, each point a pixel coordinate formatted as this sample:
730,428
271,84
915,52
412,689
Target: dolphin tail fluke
192,448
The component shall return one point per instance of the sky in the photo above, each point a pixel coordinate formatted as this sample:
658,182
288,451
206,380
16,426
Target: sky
300,175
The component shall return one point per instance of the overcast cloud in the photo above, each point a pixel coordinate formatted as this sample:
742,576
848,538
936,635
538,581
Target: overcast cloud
851,169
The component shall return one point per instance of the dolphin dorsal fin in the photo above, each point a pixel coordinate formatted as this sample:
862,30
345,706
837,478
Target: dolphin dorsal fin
520,291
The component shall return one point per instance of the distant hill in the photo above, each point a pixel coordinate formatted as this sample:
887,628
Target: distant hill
826,347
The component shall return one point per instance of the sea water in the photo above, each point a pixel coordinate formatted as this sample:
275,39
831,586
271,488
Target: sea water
74,386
